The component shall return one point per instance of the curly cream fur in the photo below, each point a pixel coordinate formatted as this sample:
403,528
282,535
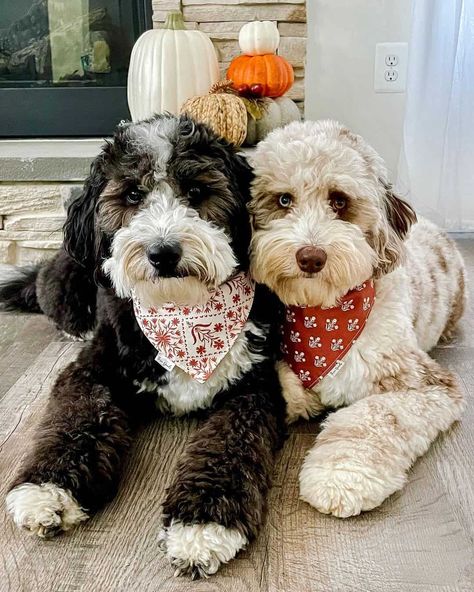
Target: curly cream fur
44,509
398,399
201,546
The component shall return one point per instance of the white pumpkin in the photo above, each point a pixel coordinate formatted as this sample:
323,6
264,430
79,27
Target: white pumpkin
168,66
259,38
278,112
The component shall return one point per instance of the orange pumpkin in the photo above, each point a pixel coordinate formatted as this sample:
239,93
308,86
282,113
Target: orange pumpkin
273,72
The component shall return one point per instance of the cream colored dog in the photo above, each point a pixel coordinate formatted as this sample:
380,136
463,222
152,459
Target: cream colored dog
320,186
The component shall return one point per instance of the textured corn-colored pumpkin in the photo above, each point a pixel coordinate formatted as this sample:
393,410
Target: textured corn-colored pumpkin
273,72
223,112
277,113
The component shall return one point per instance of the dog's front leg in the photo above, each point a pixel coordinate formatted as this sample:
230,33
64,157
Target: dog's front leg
67,294
300,402
75,463
216,503
363,453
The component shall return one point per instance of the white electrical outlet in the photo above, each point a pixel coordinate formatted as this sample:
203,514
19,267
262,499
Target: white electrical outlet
391,61
391,75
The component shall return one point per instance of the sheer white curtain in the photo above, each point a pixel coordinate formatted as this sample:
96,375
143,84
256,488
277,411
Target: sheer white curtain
436,168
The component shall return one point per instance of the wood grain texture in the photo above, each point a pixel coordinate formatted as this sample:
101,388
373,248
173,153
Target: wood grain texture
22,339
419,540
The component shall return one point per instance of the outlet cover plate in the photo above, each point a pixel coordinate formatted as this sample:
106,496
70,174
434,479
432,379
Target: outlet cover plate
384,79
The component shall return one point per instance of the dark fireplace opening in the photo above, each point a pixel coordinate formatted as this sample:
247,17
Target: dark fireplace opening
64,65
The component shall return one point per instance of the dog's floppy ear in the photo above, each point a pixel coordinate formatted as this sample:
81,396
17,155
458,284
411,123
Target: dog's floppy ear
241,176
398,219
238,174
81,239
400,215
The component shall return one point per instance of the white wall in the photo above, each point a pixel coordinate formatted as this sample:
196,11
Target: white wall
340,68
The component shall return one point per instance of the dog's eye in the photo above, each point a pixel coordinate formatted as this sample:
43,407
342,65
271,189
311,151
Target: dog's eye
285,200
338,201
195,193
134,197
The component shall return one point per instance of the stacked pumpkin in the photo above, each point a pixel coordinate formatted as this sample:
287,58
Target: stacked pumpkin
252,102
246,107
264,77
259,71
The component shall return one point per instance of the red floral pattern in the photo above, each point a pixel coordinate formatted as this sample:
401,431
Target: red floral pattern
315,339
196,338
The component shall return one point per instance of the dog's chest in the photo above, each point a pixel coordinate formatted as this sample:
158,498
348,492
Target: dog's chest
387,332
178,393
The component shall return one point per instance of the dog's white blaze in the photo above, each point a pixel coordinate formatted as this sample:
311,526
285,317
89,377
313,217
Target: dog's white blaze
183,394
156,138
202,545
43,508
207,252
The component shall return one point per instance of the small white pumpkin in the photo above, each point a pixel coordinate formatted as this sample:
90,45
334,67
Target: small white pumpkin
168,66
259,38
277,113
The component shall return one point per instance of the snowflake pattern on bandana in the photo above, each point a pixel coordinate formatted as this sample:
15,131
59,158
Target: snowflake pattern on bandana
315,339
196,338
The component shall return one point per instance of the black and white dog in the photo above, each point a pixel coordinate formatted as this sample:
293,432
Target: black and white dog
162,216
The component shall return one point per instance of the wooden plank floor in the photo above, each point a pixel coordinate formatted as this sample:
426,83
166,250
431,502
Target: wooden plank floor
420,540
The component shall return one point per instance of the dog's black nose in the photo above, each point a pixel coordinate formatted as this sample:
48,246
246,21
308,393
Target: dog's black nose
311,259
165,258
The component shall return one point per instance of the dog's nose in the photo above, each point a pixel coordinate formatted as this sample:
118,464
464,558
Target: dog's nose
311,259
165,258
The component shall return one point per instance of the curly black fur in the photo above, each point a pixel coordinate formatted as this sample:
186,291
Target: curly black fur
59,288
234,466
225,472
18,290
81,241
67,294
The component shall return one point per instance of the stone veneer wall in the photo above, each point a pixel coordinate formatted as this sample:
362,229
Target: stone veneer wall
222,20
32,213
31,219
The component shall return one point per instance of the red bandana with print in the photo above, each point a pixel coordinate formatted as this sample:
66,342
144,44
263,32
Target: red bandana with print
315,339
196,338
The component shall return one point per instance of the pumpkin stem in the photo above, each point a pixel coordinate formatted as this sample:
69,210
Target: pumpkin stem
223,86
174,21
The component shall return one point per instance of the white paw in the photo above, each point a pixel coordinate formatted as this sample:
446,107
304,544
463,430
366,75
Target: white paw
44,509
199,549
346,486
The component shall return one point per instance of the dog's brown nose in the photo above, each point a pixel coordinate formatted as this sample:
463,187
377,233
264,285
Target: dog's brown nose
311,259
